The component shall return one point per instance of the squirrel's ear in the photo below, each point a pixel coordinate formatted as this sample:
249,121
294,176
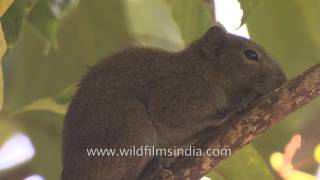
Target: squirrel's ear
213,40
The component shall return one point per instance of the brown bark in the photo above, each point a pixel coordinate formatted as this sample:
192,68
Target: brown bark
244,128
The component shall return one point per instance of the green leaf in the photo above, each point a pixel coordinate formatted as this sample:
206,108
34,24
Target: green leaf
66,95
47,15
193,18
152,25
245,164
14,17
86,37
249,7
1,87
8,34
3,50
44,15
45,104
4,5
61,8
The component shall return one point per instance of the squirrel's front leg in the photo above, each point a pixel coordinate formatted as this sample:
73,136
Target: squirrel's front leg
158,168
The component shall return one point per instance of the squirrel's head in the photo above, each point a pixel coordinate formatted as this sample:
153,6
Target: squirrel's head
244,64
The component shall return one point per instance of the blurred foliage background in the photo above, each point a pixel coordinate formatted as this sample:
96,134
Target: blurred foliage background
52,42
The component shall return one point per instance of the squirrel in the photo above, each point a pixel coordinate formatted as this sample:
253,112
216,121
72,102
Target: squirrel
144,96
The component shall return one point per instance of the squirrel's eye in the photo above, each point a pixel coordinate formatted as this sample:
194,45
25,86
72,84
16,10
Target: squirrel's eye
251,54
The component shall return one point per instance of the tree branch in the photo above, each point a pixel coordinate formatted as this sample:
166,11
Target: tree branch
244,128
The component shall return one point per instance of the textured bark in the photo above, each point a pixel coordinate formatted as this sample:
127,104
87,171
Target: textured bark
244,128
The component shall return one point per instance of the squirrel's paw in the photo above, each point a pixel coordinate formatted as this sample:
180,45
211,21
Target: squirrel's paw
158,169
162,173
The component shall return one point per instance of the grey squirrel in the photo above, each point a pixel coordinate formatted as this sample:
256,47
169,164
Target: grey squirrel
143,96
